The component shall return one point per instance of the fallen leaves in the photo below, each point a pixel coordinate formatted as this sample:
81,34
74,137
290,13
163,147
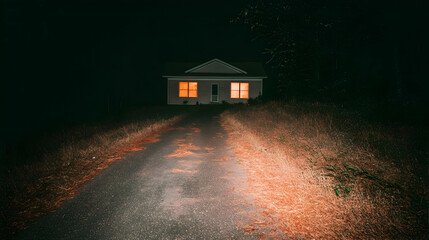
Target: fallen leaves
183,150
177,170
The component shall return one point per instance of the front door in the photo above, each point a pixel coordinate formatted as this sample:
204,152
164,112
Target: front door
215,92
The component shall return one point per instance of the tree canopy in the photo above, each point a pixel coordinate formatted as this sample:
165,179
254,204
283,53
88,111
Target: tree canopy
340,50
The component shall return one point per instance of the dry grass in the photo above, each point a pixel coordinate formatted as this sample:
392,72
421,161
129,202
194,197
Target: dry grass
39,187
323,173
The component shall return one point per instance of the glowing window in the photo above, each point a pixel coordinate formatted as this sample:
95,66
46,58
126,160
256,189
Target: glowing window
239,90
244,90
188,89
192,89
183,89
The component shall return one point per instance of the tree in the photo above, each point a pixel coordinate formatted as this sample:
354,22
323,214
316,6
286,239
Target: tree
293,32
339,49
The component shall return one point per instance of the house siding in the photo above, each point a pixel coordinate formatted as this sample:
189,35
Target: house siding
204,91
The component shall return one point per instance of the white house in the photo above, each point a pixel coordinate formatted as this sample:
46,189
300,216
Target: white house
214,81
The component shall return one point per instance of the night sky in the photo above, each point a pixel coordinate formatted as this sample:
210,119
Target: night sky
67,61
76,61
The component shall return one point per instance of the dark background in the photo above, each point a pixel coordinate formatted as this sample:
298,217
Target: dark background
70,61
65,62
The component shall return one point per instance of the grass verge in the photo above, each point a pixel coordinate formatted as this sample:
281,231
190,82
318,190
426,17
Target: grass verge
322,172
62,162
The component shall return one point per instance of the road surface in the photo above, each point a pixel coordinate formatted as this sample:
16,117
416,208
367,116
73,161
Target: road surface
185,186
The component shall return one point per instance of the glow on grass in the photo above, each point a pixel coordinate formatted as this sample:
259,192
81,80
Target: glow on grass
285,192
287,163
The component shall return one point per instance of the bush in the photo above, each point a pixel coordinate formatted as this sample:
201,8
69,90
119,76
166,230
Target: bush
255,101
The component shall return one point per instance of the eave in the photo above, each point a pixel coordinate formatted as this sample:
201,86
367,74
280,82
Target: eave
215,77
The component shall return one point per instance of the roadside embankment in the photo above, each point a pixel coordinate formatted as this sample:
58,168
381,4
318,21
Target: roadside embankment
322,172
61,163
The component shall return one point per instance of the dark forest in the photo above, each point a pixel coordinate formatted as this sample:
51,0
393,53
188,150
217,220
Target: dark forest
73,60
336,147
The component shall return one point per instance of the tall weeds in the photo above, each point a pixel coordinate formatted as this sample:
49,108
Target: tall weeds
329,173
73,157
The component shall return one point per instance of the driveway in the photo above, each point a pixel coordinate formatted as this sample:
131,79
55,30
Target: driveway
186,185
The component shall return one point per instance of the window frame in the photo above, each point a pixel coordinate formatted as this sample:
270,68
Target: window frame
240,90
188,90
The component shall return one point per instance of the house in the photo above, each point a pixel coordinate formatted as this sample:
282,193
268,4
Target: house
213,82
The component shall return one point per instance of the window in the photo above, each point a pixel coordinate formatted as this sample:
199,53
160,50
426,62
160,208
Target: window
188,89
239,90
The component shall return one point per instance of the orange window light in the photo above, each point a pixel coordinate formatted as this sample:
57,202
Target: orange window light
183,89
193,89
244,90
235,90
188,89
239,90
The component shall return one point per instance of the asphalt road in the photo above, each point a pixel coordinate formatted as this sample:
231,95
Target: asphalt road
154,194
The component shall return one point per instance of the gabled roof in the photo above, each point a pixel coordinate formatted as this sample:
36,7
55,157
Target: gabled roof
214,68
